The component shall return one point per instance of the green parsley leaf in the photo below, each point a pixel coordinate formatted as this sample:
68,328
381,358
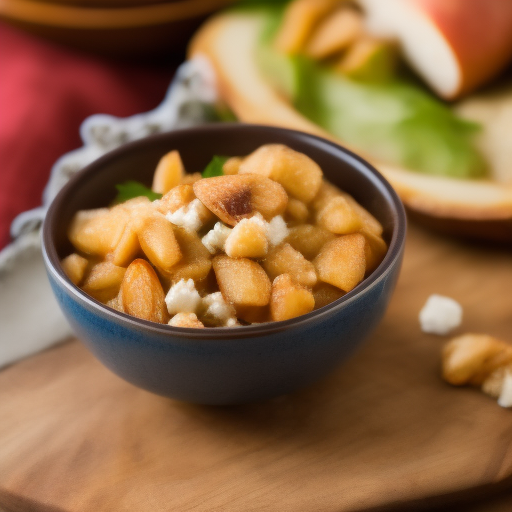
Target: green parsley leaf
214,168
131,189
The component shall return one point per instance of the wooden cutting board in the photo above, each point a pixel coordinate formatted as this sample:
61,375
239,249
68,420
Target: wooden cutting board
384,430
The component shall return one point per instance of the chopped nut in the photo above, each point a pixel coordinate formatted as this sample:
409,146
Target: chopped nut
141,293
168,173
186,320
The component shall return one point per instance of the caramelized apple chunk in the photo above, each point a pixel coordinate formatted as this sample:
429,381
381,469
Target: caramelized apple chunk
75,266
375,249
296,211
285,259
341,262
338,217
186,320
325,294
300,176
308,239
248,239
233,198
176,198
231,165
242,281
103,281
169,173
289,300
141,293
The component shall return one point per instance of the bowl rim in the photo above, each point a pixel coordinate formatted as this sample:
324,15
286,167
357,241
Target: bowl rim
394,253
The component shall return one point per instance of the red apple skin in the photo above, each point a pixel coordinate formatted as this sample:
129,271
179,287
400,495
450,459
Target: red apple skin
479,33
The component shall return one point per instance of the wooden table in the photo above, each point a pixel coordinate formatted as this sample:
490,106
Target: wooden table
383,432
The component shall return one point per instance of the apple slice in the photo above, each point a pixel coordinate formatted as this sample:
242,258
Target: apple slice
455,45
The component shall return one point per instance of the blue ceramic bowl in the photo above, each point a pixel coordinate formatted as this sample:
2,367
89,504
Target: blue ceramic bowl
223,365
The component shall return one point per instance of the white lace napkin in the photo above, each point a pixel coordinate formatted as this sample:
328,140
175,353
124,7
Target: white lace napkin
30,319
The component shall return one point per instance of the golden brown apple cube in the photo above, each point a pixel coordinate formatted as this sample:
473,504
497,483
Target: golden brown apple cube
75,266
300,176
308,239
369,223
103,281
128,247
169,173
186,320
289,300
342,262
135,202
375,250
296,211
325,294
157,240
116,303
284,259
248,239
195,263
253,314
97,232
176,198
326,192
232,165
233,198
141,293
338,217
300,19
190,179
242,281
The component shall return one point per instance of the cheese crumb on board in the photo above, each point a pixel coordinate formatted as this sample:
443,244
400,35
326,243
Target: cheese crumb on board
440,315
505,399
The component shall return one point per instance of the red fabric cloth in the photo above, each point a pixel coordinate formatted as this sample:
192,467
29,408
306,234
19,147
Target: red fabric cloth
46,91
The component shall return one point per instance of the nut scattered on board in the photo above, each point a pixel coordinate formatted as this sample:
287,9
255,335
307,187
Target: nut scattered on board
480,360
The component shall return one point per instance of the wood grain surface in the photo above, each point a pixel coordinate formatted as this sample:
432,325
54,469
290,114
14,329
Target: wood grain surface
383,432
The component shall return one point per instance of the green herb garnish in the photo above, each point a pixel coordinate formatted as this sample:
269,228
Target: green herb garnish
214,168
131,189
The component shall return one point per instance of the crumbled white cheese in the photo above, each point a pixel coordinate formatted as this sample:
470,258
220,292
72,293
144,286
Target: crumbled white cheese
277,230
215,239
190,216
440,315
182,298
219,310
505,399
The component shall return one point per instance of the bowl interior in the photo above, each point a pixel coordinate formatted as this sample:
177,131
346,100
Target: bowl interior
94,187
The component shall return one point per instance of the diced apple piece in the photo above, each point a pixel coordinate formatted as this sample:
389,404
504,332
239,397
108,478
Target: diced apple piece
300,176
176,198
286,260
128,247
369,60
253,314
116,303
195,263
242,281
289,300
369,223
157,240
232,165
103,281
98,231
186,320
308,239
335,33
141,293
375,249
248,239
338,217
325,193
233,198
190,179
169,173
325,294
135,202
75,266
342,262
296,211
300,19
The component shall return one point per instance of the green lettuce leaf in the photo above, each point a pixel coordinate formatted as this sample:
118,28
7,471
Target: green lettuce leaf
131,189
214,168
